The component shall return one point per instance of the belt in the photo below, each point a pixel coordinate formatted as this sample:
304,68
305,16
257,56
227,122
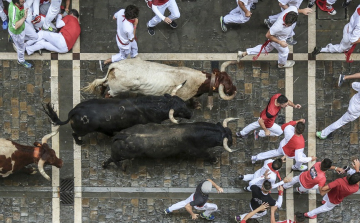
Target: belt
120,40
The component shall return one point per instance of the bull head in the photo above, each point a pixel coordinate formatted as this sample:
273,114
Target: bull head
225,141
225,83
48,155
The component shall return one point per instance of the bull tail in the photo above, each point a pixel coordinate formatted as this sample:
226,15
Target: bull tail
49,111
91,88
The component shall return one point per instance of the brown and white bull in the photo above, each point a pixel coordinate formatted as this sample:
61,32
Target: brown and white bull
15,157
151,78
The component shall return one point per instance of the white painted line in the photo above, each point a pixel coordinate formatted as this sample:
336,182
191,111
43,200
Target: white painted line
289,93
55,145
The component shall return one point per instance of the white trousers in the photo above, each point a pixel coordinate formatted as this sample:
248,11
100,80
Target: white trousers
257,215
249,177
52,13
328,206
33,6
172,7
123,53
277,152
2,13
19,41
283,51
275,130
30,34
346,118
301,188
208,207
50,41
236,15
344,45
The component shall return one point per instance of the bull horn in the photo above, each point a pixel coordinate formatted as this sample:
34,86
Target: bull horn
173,93
226,147
226,64
228,120
41,169
171,116
48,136
223,95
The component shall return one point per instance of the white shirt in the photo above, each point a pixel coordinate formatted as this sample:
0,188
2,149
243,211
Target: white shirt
354,26
295,3
125,29
272,176
278,29
354,104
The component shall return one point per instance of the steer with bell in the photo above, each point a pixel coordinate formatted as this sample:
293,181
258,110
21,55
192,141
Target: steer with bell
15,157
159,141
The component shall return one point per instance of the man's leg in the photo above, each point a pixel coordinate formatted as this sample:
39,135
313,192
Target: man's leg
275,130
236,16
297,163
20,45
256,49
174,10
208,208
36,7
328,206
156,20
283,53
122,55
273,18
134,49
250,128
56,39
42,44
30,34
346,118
344,45
52,13
181,204
270,154
293,181
2,13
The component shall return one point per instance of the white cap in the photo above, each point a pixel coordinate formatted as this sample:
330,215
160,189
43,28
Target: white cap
206,187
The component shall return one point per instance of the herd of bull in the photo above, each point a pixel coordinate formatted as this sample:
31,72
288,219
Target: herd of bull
134,123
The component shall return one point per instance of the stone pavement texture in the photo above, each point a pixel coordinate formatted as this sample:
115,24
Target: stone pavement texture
25,198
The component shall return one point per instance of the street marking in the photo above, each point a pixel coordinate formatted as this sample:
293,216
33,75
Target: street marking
55,144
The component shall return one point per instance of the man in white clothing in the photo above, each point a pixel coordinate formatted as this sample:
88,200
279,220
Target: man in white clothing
54,10
240,14
351,114
277,35
159,7
284,4
351,36
3,16
127,20
291,146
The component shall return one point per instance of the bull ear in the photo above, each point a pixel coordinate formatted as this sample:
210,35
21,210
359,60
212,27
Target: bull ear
216,71
37,144
167,96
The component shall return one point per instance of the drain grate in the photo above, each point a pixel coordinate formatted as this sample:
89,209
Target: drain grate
67,191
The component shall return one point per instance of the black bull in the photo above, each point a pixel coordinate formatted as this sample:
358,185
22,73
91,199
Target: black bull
159,141
113,115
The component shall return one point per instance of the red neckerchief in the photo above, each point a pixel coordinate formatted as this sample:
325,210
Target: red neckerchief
262,47
131,20
21,8
348,53
275,171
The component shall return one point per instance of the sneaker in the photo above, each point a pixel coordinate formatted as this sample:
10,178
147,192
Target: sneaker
267,23
222,24
245,189
238,134
253,6
241,177
332,11
102,65
318,134
151,30
341,80
149,4
346,168
50,29
173,25
302,168
346,3
25,64
316,51
256,135
240,55
311,4
289,63
253,159
313,217
323,202
237,218
291,41
10,40
36,19
300,192
167,211
210,217
14,47
5,25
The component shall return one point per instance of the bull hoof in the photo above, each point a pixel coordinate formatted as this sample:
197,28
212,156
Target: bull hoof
214,161
79,142
105,165
34,172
